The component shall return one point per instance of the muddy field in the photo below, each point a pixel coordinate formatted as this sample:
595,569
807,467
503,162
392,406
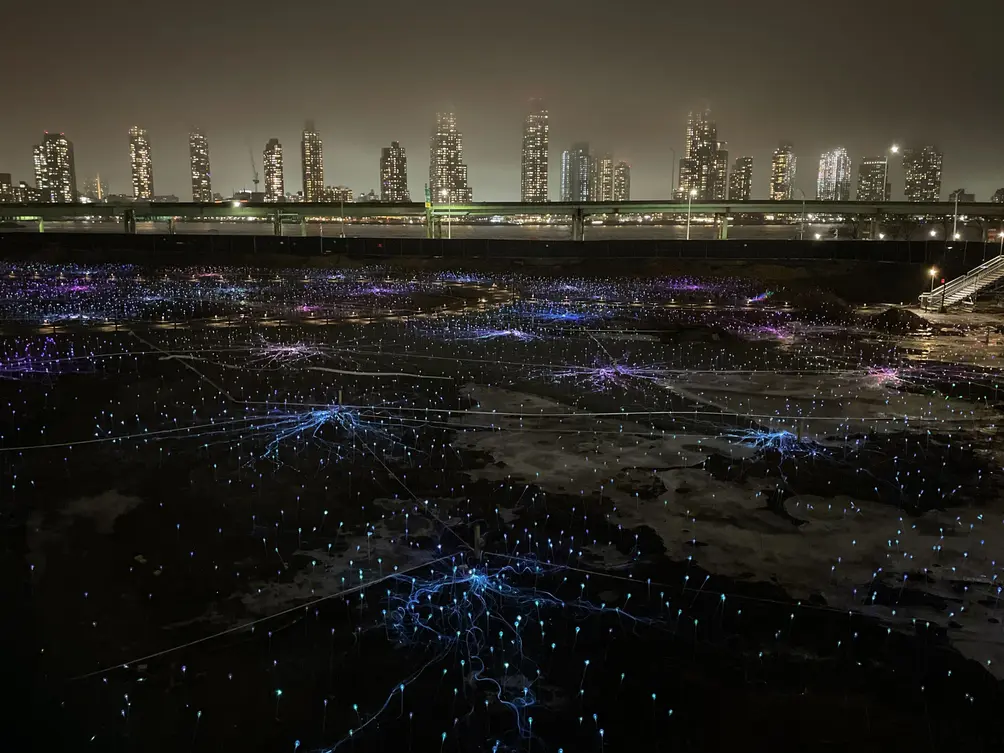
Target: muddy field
379,510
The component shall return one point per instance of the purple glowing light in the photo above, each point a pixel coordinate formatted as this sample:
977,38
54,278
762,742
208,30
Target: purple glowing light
611,375
280,354
884,377
515,334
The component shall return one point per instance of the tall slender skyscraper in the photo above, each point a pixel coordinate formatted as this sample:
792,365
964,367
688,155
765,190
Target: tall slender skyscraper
55,171
198,151
873,179
622,182
536,139
602,179
834,180
41,171
704,166
447,171
720,175
923,174
271,160
394,173
142,164
782,173
741,180
312,160
576,173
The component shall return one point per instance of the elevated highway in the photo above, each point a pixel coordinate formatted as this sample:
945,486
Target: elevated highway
575,215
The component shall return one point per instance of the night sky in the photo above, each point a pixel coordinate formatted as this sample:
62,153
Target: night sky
622,76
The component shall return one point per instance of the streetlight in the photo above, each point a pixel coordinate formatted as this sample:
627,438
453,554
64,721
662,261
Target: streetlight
886,188
933,233
444,194
881,236
690,199
818,236
934,273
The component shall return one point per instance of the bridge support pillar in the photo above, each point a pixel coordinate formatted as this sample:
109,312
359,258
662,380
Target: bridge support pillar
129,221
303,226
578,224
277,223
723,226
41,225
172,225
874,227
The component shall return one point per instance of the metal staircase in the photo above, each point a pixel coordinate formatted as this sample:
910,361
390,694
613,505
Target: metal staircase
965,287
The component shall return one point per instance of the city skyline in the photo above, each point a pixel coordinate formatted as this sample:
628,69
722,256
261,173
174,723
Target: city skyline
584,175
636,117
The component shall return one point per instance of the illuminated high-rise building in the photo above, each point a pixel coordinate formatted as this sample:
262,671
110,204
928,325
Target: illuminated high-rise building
271,160
834,180
55,171
394,173
41,170
741,180
782,173
577,173
923,174
142,164
198,152
998,197
312,161
6,189
873,179
536,138
447,171
602,179
704,167
720,175
622,182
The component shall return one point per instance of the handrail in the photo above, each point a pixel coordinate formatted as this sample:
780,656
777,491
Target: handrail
963,282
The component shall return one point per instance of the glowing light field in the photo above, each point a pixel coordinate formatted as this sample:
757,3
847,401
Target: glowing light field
373,510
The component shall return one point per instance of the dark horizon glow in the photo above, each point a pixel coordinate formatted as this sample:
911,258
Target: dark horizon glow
862,76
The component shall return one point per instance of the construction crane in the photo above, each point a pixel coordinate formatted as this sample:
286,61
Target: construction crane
254,170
